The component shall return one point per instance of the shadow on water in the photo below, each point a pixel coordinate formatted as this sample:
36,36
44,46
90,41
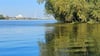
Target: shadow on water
71,40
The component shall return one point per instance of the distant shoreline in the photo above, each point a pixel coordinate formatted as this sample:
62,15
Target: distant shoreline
25,20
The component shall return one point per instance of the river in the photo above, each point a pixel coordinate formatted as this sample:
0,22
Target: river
37,38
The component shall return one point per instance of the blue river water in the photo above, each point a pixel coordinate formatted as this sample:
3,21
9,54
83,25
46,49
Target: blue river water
20,38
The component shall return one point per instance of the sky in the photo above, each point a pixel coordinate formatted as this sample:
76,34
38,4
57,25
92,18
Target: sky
28,8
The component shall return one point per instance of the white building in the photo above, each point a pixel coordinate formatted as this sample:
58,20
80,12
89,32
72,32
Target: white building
19,16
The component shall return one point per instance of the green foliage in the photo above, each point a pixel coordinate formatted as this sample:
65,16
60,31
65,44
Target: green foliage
2,17
40,1
73,10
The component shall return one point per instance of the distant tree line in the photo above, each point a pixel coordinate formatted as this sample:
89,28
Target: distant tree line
73,10
2,17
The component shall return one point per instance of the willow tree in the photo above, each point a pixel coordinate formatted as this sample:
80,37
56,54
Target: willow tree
73,10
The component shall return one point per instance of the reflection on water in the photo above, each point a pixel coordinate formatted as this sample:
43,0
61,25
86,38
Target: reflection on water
72,40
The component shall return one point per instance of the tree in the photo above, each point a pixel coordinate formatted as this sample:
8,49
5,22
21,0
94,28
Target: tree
73,10
2,17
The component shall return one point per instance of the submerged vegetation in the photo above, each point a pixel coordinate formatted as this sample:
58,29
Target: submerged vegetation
73,10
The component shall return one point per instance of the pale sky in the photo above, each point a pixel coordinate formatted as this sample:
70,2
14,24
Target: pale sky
28,8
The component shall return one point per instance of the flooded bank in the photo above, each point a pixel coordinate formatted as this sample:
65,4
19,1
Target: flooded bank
72,40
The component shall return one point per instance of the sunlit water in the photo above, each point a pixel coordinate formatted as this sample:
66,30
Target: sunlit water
38,38
20,38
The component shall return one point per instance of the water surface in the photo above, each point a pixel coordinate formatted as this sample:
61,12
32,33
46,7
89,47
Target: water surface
72,40
20,38
37,38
